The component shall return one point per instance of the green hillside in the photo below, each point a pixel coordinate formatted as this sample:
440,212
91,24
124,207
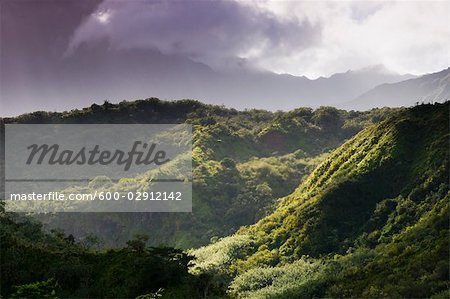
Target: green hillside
39,264
369,221
242,162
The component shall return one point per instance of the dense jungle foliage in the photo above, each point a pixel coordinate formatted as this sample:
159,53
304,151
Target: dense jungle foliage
372,220
242,162
368,219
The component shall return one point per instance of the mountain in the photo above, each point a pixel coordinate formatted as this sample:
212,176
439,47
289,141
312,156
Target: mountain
242,162
258,90
433,87
262,156
372,220
39,264
97,73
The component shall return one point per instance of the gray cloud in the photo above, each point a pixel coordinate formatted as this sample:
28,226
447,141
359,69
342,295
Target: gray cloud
135,49
404,36
214,32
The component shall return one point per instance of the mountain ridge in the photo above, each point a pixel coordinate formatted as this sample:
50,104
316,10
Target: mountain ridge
96,74
377,204
433,87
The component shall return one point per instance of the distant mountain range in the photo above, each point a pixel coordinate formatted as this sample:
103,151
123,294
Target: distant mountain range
96,74
433,87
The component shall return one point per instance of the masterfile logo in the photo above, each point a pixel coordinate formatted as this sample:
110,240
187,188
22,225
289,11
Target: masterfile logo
52,154
101,168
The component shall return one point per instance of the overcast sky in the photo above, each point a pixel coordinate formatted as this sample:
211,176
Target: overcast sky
309,38
60,54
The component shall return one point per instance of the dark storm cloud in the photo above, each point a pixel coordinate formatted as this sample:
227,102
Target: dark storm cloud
33,38
207,31
62,54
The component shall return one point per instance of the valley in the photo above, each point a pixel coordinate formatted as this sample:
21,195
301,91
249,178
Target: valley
305,203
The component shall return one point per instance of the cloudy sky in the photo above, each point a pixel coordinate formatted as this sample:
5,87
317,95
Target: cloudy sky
297,37
43,43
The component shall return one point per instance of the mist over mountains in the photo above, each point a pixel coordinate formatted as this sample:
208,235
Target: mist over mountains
427,88
305,190
58,56
97,74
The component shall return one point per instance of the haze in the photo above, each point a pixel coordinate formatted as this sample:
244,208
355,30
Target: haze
58,55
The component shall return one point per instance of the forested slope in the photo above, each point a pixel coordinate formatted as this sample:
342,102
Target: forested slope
40,264
242,162
370,221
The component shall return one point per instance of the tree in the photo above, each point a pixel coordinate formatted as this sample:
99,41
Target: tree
228,163
40,289
138,243
327,118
